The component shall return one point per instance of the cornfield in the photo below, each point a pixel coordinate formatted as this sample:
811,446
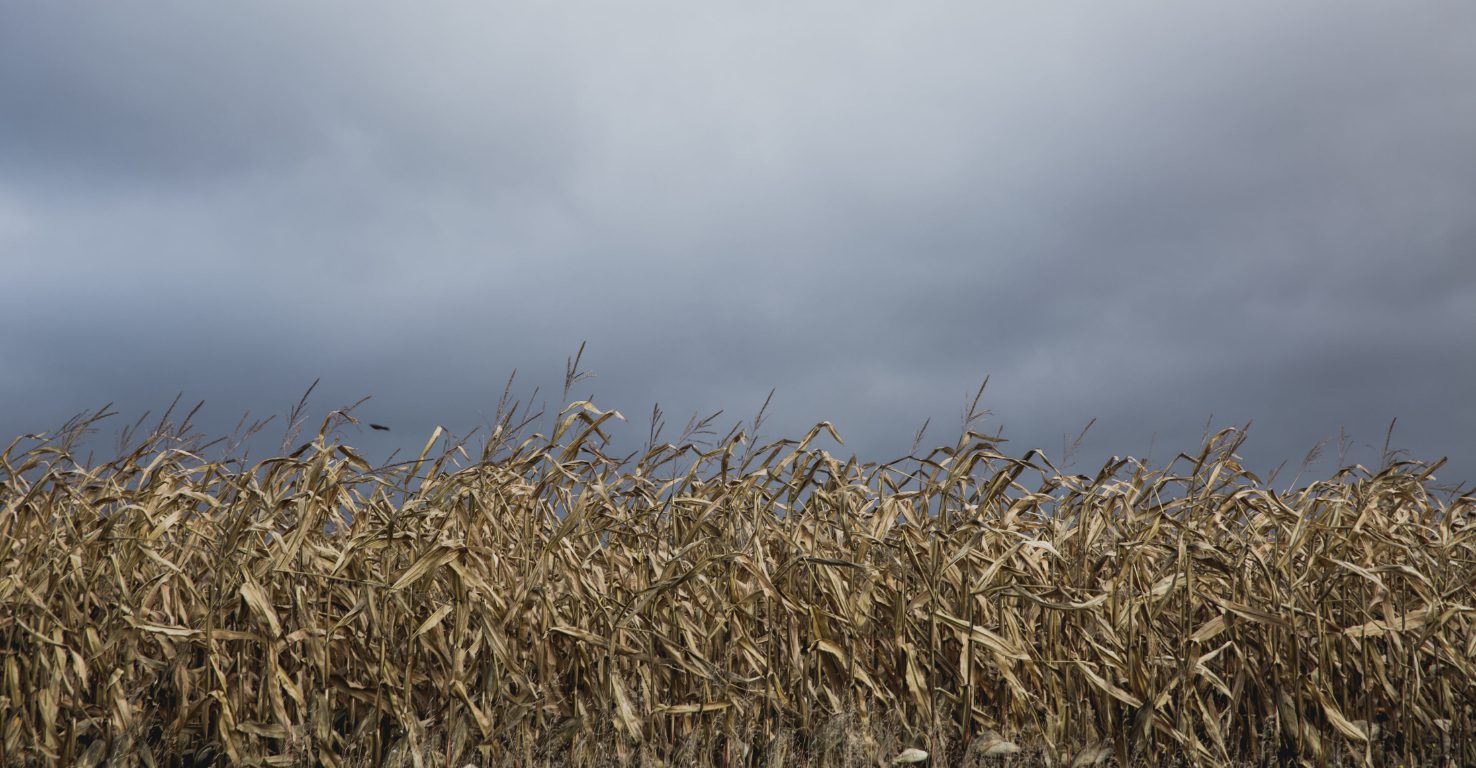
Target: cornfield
719,602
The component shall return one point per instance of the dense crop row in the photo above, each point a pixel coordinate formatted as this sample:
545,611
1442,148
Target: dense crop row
725,604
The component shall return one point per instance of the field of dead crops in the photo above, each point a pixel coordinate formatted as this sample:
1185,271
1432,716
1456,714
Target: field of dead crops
717,602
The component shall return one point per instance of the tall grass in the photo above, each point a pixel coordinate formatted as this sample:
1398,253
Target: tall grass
543,603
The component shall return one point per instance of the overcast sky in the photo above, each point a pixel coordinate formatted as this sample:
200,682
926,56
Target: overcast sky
1158,215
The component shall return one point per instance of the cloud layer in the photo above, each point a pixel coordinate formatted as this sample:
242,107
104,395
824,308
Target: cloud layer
1155,217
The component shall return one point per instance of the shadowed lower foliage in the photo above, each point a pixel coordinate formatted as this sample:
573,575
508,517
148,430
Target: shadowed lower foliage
724,604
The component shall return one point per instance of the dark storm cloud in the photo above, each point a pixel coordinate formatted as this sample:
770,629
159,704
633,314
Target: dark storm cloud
1149,216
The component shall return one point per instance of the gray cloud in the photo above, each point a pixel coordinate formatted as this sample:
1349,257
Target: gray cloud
1145,215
